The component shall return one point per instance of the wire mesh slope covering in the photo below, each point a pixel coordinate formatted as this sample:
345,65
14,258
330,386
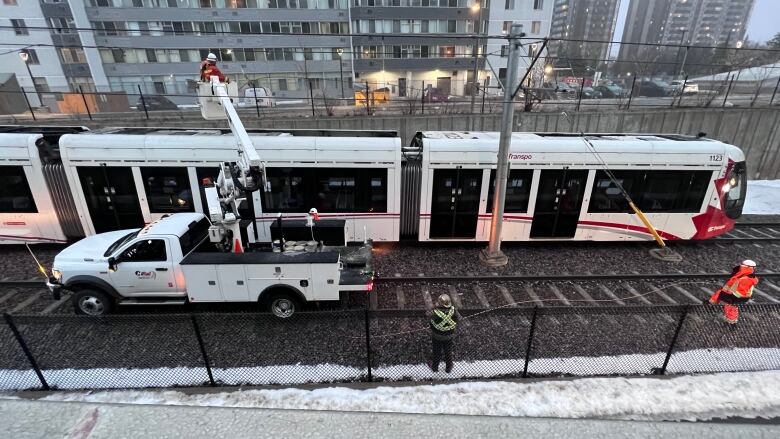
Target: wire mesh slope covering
601,341
709,344
15,369
75,352
487,345
307,347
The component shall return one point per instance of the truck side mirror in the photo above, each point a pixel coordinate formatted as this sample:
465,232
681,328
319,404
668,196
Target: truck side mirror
112,263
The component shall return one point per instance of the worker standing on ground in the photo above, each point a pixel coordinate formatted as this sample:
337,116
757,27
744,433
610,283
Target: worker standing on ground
738,290
444,320
208,68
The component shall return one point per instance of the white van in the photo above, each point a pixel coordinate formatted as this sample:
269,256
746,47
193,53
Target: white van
263,95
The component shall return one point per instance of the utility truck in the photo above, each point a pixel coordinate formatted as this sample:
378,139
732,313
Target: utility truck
187,257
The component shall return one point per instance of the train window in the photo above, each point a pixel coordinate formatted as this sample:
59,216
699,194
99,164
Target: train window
735,197
518,190
206,178
148,250
167,189
674,191
606,196
327,189
15,195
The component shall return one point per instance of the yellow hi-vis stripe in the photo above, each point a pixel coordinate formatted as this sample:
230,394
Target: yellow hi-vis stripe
446,323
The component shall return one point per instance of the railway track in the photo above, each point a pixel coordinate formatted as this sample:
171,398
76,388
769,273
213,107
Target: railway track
747,232
473,292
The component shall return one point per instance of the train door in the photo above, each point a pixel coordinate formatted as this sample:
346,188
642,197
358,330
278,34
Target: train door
455,204
111,197
558,203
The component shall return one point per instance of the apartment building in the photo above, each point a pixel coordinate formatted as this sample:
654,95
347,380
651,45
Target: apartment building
588,22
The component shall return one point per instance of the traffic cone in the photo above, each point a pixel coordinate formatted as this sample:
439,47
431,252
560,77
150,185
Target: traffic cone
237,247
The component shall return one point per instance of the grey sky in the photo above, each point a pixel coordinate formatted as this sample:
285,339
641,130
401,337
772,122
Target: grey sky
763,24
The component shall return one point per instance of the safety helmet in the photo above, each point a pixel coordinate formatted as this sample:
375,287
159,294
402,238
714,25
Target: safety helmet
749,263
444,300
211,57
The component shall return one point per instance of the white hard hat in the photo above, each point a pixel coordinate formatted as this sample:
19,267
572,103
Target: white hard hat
211,57
312,211
749,263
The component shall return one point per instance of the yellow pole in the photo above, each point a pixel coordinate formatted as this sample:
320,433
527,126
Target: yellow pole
647,224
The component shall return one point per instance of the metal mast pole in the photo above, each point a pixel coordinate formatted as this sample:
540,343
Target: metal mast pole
475,80
493,255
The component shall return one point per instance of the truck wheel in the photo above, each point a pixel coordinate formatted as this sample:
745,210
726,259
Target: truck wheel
92,303
282,305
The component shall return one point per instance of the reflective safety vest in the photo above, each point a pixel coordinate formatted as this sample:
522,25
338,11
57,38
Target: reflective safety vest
741,287
446,322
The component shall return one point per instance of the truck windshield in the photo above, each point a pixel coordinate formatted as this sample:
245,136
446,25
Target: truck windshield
120,242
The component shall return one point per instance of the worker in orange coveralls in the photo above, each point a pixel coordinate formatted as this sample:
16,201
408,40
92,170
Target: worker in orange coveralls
738,290
208,68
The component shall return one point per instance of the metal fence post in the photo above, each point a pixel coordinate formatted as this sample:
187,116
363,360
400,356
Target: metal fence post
662,370
530,342
26,350
728,90
32,113
202,346
254,91
631,93
484,92
84,99
582,87
682,92
368,346
143,101
422,98
311,99
368,100
771,101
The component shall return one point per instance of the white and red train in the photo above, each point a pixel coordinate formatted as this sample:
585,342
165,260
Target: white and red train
61,183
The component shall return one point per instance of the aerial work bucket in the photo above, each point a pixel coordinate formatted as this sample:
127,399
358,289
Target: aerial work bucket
210,106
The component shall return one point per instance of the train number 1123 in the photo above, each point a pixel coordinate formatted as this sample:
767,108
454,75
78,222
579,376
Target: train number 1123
716,158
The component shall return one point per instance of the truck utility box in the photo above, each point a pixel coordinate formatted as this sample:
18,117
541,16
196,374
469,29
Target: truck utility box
242,277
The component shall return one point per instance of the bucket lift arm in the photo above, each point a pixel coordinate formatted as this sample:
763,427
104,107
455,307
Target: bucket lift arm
236,179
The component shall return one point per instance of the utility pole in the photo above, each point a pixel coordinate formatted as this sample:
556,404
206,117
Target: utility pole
685,55
477,30
492,255
340,51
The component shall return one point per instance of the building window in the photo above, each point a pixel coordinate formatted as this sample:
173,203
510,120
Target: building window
15,195
538,4
536,27
83,83
19,27
9,2
72,55
61,25
41,85
32,56
505,27
509,4
505,51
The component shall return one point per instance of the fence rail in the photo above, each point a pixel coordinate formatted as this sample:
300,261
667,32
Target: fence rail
181,350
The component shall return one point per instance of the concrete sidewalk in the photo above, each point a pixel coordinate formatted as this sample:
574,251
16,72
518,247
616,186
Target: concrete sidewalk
21,419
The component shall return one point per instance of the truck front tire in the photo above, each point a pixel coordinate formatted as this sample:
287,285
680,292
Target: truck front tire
92,302
283,305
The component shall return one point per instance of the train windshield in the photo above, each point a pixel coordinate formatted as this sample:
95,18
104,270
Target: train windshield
734,198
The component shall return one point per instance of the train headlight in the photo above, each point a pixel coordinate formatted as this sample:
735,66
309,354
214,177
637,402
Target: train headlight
733,181
726,187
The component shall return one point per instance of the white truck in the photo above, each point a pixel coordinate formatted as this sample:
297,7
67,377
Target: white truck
171,261
187,257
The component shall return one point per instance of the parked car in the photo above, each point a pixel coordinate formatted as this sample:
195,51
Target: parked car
590,93
691,88
262,95
611,91
435,94
155,102
652,89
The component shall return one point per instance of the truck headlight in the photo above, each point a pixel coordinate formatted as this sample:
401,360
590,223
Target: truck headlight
56,274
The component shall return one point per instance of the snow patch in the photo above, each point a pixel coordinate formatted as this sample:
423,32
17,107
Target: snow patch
763,197
747,394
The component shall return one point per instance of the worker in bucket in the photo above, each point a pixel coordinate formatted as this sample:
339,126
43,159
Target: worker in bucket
208,68
738,290
444,320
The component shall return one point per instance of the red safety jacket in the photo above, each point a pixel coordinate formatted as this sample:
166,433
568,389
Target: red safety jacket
207,70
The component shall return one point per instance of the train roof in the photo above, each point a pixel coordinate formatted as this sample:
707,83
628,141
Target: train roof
494,135
19,146
163,131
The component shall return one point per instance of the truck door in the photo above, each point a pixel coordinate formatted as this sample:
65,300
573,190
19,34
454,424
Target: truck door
145,268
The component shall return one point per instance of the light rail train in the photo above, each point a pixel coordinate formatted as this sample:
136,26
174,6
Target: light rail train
58,184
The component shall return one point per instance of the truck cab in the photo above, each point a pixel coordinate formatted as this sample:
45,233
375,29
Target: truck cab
171,261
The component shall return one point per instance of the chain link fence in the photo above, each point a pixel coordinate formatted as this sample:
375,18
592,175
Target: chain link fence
182,350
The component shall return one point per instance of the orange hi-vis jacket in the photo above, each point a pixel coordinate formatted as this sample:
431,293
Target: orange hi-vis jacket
741,284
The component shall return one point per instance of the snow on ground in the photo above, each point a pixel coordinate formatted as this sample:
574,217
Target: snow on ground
763,197
745,394
692,361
